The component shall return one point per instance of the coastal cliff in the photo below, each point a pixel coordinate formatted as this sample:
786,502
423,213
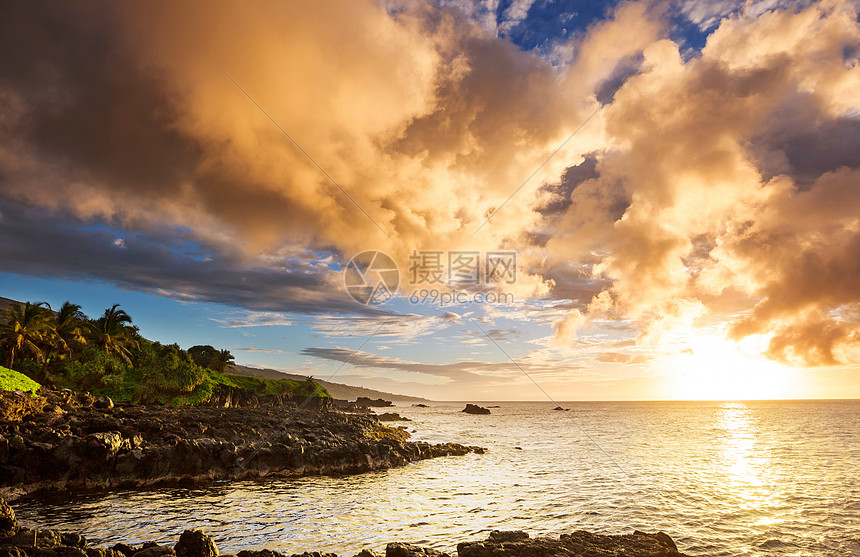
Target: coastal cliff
72,441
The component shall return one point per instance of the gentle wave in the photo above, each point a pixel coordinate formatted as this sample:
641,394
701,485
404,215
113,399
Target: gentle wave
723,479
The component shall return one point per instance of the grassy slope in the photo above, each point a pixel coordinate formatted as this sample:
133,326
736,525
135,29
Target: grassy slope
257,385
13,381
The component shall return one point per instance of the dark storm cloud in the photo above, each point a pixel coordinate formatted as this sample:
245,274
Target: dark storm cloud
86,98
804,143
37,242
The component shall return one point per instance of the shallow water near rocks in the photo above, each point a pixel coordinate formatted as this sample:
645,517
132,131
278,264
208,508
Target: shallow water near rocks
721,478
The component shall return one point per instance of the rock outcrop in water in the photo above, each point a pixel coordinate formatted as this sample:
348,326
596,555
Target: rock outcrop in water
392,417
66,441
16,541
475,409
369,403
519,544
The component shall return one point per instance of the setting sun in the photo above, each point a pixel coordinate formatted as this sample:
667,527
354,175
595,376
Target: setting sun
711,367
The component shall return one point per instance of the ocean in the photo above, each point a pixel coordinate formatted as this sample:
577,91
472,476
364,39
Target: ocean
721,478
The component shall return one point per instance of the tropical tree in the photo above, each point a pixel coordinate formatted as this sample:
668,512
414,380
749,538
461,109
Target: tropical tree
114,333
72,327
27,332
223,360
205,355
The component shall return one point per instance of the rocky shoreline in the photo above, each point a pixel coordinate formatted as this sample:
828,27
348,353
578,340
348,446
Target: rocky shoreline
16,541
75,442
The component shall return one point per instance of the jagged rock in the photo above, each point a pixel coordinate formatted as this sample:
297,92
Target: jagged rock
124,549
35,538
194,543
392,417
11,551
497,536
378,403
518,544
314,554
398,549
111,441
103,403
143,446
155,551
8,522
475,409
367,553
661,537
260,553
99,552
72,539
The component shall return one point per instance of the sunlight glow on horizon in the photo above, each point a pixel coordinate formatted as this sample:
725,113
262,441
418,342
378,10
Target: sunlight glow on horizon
711,367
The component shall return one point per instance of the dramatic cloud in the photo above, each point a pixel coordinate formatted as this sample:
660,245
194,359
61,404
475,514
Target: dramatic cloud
464,372
736,173
716,186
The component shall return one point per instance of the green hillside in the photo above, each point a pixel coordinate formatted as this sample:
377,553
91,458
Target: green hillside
107,356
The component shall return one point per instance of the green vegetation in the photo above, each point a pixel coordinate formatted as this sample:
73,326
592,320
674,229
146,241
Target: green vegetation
14,381
108,357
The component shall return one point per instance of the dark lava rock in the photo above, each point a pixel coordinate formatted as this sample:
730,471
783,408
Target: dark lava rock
124,549
518,544
367,553
475,409
560,408
378,403
419,405
11,551
156,551
260,553
408,550
72,539
507,536
103,403
8,522
133,446
194,543
392,417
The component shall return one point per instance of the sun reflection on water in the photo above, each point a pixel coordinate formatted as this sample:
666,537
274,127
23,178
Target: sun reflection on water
745,471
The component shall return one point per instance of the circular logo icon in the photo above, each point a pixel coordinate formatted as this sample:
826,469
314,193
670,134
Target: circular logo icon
371,277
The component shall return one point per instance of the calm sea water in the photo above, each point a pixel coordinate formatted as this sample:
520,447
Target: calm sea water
722,478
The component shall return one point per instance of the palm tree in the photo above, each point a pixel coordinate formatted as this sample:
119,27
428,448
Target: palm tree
27,331
72,327
223,359
114,333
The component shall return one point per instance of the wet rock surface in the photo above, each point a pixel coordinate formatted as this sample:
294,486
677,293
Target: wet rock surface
65,440
370,403
23,542
580,543
475,409
392,417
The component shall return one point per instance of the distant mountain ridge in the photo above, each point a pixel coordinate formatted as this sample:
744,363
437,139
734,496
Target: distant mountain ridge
336,390
5,304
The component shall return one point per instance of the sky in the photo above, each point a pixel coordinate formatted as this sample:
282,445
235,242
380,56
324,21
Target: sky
582,201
